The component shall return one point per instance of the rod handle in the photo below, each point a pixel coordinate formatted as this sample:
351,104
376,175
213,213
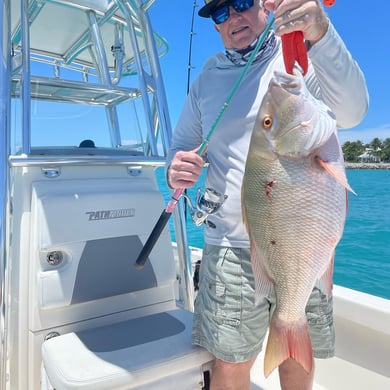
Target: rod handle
152,239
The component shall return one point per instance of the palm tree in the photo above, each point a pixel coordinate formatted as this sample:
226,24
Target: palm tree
386,150
352,150
377,148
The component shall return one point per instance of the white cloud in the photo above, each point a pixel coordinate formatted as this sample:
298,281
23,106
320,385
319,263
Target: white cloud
365,135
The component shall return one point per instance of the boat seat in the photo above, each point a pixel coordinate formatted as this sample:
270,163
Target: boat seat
150,352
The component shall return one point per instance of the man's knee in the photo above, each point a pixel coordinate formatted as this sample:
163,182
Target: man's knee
294,377
227,375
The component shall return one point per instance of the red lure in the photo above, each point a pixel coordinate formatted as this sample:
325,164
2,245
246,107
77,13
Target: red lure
329,3
294,48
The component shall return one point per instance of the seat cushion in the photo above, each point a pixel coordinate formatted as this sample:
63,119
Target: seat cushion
132,354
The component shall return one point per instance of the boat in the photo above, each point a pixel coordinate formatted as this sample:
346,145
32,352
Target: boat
85,124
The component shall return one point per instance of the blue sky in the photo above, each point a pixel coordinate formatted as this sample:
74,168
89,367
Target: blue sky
364,29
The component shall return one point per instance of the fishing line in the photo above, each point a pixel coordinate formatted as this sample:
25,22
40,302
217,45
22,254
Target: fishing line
164,217
235,86
225,105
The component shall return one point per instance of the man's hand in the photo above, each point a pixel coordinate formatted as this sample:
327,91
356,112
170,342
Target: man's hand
185,169
307,16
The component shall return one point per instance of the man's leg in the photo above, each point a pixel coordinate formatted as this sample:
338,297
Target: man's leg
226,320
231,376
294,377
320,319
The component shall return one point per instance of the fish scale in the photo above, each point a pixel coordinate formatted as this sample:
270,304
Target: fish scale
294,206
280,209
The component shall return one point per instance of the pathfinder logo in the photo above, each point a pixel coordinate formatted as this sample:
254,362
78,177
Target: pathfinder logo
110,214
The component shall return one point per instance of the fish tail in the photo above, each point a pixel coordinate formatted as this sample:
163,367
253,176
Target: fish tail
286,341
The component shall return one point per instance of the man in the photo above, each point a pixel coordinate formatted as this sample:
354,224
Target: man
226,320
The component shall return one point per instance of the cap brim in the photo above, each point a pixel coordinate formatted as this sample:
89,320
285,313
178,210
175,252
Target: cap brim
205,11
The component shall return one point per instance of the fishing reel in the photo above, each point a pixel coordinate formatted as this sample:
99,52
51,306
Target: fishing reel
206,204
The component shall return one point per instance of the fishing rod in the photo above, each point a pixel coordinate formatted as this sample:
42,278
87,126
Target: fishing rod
192,33
189,67
165,215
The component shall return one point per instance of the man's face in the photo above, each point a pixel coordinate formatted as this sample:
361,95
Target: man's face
241,29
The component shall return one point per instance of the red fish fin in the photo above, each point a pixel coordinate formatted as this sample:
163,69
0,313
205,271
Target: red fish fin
337,172
326,281
288,341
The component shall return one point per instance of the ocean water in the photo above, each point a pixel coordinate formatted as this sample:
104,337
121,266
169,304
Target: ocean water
362,259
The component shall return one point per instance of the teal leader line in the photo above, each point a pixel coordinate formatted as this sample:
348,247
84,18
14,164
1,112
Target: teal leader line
233,91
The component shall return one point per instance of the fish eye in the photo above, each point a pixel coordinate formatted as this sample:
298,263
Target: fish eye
267,122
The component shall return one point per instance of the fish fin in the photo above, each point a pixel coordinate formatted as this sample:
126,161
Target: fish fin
263,283
243,210
325,283
286,341
264,286
336,170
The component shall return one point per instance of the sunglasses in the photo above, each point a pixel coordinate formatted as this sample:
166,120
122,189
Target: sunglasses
222,13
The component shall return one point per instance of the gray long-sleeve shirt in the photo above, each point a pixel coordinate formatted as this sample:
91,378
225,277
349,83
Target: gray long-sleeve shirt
333,76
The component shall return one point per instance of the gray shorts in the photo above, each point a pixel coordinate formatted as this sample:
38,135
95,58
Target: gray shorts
226,321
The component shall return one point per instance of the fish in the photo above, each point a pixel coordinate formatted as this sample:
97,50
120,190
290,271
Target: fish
294,199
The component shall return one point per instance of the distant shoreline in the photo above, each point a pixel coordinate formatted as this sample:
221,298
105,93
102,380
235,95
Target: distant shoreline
350,165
